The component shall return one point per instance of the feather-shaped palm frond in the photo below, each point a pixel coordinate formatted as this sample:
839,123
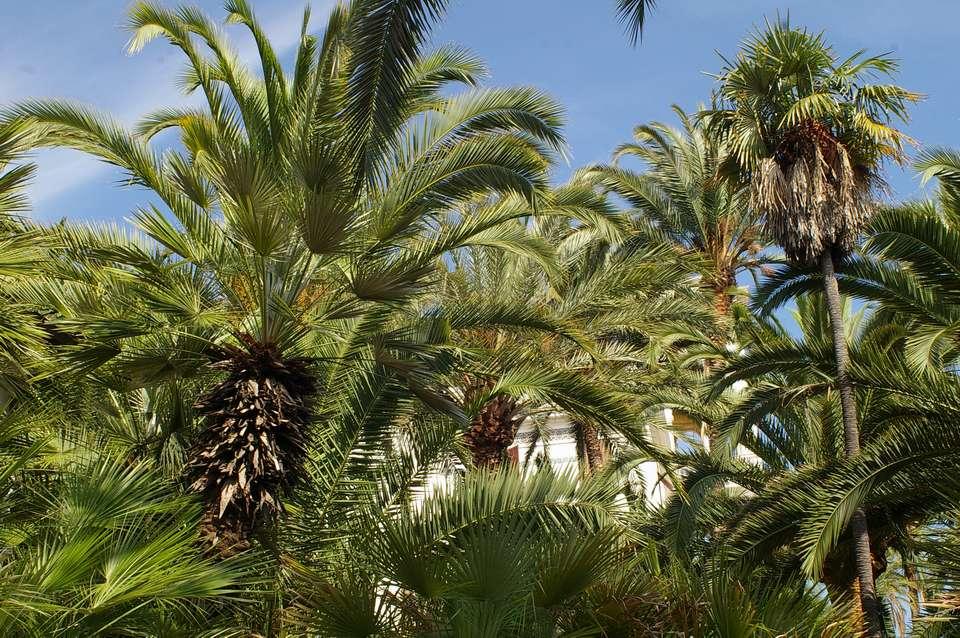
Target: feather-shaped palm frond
633,13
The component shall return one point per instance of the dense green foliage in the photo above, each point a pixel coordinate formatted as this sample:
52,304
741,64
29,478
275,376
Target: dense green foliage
282,400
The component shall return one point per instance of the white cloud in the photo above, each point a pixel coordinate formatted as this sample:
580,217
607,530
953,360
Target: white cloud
61,171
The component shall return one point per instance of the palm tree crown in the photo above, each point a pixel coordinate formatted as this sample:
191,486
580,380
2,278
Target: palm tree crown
810,132
678,201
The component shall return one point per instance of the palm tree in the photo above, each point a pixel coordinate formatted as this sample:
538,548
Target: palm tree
782,508
678,201
495,556
810,133
97,544
938,554
639,300
909,266
307,202
610,306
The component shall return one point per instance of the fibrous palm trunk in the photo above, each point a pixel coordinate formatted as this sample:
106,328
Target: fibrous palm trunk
593,447
254,445
722,303
869,602
492,431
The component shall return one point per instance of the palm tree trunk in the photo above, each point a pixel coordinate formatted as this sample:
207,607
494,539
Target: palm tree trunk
851,432
253,448
492,431
722,303
592,446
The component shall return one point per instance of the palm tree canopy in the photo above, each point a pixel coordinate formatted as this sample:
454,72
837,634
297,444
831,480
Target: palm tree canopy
810,132
351,274
677,200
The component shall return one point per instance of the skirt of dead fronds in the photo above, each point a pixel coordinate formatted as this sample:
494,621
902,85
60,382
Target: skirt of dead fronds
813,198
254,445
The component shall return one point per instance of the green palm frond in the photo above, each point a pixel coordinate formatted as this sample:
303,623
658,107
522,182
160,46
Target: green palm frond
114,551
386,39
634,14
16,139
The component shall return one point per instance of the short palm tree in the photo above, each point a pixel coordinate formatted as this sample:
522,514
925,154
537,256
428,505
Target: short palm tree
810,133
302,204
96,543
550,555
638,298
496,555
909,265
911,257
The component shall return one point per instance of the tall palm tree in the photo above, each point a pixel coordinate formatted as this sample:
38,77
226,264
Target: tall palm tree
810,133
677,200
304,202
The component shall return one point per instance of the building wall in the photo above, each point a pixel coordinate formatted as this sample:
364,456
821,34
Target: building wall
553,440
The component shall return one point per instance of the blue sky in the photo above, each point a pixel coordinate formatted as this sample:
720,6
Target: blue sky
573,49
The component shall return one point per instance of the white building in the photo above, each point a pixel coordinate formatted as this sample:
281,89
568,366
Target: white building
554,441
